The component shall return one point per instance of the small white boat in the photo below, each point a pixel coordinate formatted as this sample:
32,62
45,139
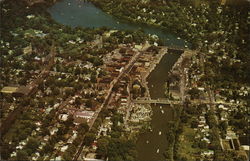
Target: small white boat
162,111
159,132
147,141
69,4
178,38
158,150
160,107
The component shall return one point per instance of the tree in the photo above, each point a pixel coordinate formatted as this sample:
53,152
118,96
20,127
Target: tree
62,130
48,148
121,149
223,125
202,144
72,149
25,101
83,127
97,61
168,154
22,155
194,92
89,138
143,90
32,144
102,149
122,50
77,71
184,117
194,124
56,91
67,156
6,150
69,92
170,137
93,78
78,101
115,88
89,103
78,140
69,122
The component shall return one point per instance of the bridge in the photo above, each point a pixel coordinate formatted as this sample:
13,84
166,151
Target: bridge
168,102
155,101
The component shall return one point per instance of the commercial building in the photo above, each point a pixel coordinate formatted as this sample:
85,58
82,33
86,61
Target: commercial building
17,91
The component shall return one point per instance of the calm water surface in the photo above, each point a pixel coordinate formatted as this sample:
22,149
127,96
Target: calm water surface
77,13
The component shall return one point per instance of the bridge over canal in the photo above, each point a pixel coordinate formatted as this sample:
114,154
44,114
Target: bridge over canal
155,101
168,102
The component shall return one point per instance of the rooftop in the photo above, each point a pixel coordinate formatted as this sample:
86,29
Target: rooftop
9,89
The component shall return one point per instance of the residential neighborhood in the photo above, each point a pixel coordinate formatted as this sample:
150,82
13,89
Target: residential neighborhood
97,80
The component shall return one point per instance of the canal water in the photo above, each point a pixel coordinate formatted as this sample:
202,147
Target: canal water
150,145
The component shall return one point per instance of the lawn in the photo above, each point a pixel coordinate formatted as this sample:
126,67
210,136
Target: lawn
187,139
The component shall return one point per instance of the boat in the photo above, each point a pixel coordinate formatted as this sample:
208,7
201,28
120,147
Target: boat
160,107
147,141
158,150
178,38
159,132
69,4
162,111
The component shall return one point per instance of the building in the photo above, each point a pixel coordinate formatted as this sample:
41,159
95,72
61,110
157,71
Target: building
32,2
17,91
82,116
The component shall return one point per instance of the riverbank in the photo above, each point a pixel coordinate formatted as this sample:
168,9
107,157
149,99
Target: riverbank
137,18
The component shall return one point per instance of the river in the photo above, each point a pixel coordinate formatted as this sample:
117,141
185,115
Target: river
78,13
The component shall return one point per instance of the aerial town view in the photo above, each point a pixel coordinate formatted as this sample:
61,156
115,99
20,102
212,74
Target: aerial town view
125,80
